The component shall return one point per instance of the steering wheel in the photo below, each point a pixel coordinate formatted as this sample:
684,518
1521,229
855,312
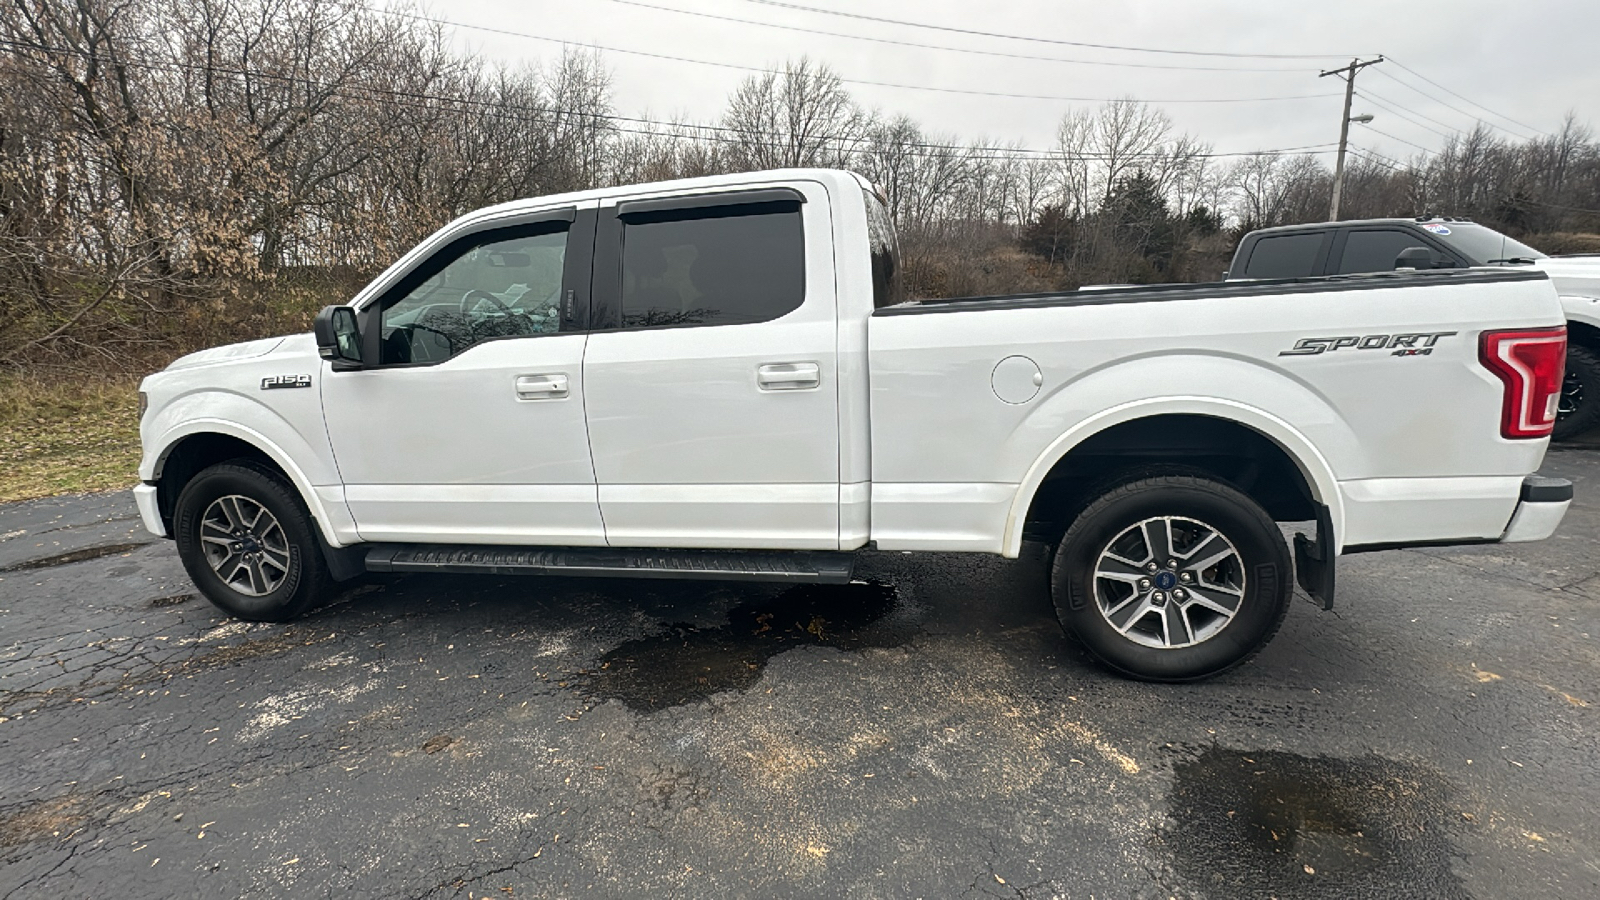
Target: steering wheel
472,298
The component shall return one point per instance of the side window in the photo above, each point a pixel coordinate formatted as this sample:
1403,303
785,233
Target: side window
1375,251
722,265
507,283
1284,255
887,288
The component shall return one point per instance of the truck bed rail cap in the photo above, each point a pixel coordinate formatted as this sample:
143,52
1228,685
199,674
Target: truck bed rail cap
1151,293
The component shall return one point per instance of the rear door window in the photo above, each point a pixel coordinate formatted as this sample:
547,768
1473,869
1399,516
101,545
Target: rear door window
1285,255
1376,250
719,265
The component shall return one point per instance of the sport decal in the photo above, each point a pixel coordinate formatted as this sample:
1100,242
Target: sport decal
1399,344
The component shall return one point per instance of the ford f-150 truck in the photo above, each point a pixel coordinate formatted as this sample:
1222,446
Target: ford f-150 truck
720,378
1437,242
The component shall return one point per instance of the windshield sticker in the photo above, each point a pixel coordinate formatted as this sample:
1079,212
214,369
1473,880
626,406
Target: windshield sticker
1437,229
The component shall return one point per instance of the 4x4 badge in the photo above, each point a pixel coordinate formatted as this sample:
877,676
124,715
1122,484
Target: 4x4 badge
285,381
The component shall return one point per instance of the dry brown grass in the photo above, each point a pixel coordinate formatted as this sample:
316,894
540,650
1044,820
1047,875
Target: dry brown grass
1557,243
67,433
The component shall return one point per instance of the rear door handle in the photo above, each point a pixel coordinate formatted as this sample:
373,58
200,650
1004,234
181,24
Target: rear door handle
799,376
552,386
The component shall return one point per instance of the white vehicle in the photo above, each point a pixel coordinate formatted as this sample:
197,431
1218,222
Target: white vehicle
718,378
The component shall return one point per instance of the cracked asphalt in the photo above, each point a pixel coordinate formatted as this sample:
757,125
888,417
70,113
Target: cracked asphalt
932,734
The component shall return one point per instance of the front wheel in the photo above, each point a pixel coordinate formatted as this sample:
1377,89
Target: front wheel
1172,578
1578,410
246,540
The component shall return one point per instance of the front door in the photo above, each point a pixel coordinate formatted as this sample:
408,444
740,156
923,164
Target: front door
711,372
470,426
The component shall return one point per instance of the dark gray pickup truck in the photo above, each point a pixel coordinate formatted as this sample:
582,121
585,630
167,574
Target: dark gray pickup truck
1434,242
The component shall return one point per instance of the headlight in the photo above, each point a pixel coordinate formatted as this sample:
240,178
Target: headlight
144,404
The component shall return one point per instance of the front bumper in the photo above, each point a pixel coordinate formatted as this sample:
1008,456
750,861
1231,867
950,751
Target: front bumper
1543,503
149,510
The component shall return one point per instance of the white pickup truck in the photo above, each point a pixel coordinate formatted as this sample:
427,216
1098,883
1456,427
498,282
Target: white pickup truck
719,378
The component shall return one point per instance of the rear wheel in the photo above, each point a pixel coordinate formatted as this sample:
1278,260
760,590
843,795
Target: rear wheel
247,541
1578,410
1172,578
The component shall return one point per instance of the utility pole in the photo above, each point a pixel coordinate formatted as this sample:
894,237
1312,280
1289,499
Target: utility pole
1348,73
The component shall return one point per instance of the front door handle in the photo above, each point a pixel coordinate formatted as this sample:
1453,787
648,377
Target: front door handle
799,376
542,387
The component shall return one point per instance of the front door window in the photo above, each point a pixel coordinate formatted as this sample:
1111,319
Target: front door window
501,288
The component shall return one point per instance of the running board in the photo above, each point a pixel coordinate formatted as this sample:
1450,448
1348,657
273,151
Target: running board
805,566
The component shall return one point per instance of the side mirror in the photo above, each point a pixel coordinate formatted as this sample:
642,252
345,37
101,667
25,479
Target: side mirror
1414,258
338,337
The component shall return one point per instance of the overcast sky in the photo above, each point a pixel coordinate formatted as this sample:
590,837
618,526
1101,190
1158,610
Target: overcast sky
1531,60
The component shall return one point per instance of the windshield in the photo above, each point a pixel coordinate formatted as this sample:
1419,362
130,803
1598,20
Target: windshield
887,289
1481,245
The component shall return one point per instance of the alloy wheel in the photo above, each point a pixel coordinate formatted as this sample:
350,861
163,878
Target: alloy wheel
245,545
1168,582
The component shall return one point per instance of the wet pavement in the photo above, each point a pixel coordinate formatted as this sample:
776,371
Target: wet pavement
929,733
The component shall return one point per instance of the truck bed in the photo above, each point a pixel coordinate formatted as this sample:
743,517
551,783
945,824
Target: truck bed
1394,429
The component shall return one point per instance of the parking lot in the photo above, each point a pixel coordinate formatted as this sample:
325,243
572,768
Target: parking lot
931,733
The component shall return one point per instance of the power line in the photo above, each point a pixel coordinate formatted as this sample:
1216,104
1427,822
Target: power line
1392,110
1382,100
702,132
1450,106
1401,140
1581,209
858,81
1039,40
943,47
1469,100
1378,159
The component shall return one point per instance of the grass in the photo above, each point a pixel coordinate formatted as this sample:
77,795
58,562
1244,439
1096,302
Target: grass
67,434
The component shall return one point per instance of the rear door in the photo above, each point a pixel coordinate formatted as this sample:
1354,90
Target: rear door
711,372
1299,254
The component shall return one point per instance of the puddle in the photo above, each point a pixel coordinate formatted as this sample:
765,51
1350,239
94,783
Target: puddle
1269,824
61,559
686,663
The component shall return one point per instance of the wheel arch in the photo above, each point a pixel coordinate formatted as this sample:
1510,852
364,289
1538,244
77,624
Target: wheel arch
203,443
1583,334
1280,449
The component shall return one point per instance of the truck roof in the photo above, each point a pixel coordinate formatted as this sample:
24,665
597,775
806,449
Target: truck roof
1344,223
708,183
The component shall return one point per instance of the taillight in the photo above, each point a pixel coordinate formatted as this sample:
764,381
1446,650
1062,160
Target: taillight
1531,363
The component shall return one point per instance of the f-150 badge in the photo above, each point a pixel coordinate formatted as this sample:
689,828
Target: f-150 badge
1397,344
272,382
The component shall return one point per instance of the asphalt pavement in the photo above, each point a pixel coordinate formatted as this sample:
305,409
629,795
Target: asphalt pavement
929,734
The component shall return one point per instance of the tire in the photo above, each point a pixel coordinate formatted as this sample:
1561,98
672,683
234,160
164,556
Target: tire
1221,604
274,570
1580,394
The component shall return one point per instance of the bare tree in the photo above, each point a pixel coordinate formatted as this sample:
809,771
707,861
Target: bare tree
180,173
799,115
